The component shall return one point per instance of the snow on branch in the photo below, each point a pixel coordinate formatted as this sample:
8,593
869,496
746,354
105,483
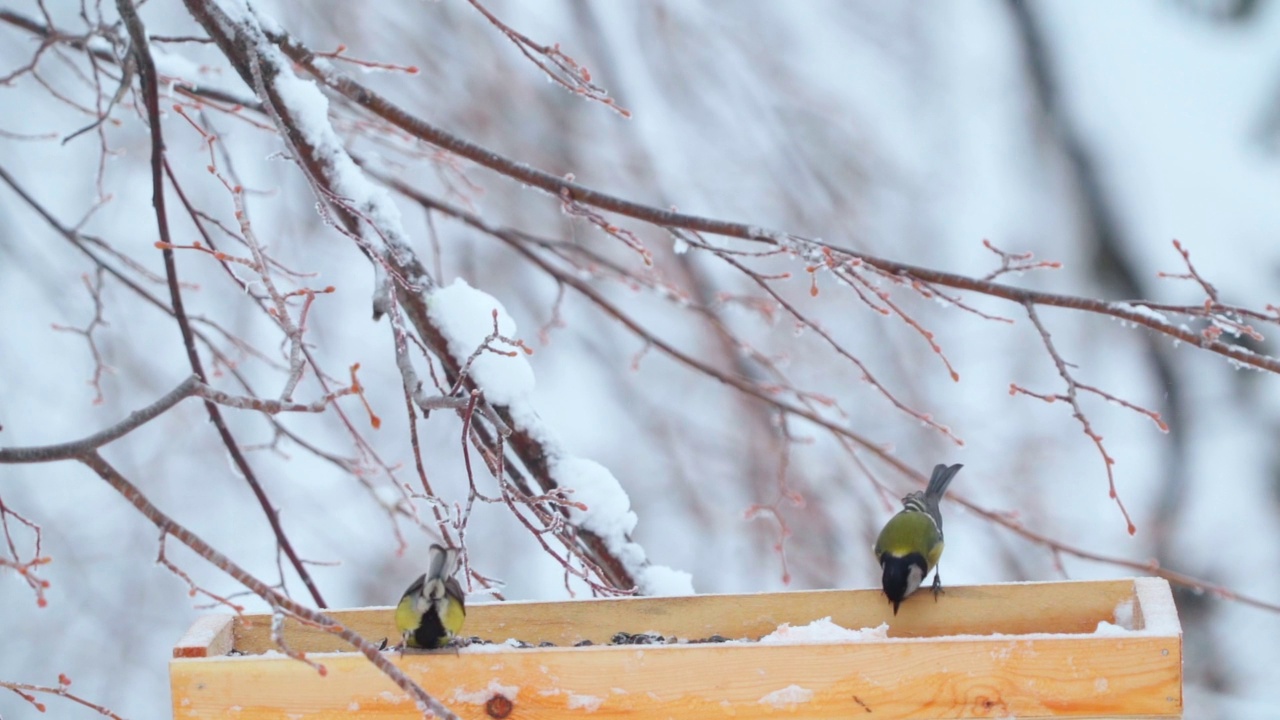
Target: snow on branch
850,267
253,43
496,363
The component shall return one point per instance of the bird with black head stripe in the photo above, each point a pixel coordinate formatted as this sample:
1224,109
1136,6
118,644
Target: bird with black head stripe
910,544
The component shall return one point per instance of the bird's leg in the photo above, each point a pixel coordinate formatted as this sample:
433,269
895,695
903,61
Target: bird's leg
457,642
403,647
937,584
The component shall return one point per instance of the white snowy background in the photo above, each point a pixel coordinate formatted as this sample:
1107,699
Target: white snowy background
909,131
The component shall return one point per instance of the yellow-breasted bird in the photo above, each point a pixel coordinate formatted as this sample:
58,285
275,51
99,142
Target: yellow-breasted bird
432,610
910,544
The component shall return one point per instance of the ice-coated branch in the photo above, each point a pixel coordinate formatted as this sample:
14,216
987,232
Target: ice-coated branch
1145,313
279,602
560,188
366,214
568,191
191,387
150,82
524,243
28,692
27,568
1072,398
550,59
86,451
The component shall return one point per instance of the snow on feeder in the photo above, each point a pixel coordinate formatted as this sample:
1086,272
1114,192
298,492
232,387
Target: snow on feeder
1028,650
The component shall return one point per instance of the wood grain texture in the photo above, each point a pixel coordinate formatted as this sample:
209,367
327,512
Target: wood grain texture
1011,609
945,662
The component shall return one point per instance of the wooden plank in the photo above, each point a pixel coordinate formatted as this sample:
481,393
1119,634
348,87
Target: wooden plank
1028,677
1012,609
209,636
943,659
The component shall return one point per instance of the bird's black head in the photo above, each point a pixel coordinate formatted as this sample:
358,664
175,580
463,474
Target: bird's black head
901,576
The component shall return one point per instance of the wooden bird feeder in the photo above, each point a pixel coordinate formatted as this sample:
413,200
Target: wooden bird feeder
1026,650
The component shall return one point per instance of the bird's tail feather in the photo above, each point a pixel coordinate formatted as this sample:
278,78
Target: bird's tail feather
444,563
942,476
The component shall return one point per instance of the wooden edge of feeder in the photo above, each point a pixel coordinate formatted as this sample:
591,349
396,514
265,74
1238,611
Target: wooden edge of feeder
1134,675
1153,607
209,636
1086,671
1070,607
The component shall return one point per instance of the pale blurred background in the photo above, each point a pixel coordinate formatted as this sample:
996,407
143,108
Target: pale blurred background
1089,133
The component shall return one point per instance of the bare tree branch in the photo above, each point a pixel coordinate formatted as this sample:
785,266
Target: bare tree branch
278,601
150,90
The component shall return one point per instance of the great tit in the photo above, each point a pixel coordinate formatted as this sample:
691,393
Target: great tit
432,610
910,544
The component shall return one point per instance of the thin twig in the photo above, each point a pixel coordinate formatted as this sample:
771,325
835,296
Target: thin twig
150,90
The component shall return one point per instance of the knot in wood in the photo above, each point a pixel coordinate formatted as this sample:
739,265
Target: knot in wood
499,706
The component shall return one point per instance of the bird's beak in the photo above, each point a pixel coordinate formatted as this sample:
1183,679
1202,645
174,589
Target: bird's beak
896,603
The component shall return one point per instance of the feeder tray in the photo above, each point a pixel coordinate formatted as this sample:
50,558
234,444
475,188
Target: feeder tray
1026,650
